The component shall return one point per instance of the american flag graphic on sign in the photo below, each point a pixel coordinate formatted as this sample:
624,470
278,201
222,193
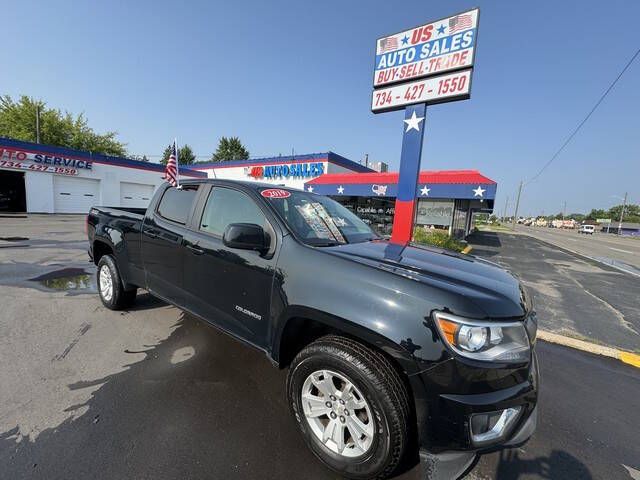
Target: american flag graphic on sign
389,43
171,171
460,22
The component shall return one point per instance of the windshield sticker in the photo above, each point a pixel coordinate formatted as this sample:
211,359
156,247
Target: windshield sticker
339,221
314,221
275,193
326,218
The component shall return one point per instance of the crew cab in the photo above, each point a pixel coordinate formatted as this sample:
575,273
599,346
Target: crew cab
391,349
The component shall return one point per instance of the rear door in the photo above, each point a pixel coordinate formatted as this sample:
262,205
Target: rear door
162,248
230,287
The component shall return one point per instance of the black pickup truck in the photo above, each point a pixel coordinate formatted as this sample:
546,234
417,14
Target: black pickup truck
391,349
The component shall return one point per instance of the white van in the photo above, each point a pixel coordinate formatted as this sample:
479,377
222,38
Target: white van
587,229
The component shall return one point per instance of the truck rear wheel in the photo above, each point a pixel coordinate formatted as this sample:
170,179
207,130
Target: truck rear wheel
351,407
110,286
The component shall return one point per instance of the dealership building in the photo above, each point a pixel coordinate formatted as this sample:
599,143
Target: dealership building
46,179
447,199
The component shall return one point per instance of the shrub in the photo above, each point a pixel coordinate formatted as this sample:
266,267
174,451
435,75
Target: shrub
437,239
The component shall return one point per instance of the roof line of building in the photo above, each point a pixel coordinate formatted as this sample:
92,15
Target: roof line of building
426,176
330,157
92,157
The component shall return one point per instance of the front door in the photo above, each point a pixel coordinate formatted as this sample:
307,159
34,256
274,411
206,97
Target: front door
162,247
229,287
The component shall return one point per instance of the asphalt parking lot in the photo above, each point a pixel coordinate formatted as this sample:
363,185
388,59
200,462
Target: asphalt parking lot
154,393
573,295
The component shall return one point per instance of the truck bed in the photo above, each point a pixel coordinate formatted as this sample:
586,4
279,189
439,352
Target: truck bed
130,212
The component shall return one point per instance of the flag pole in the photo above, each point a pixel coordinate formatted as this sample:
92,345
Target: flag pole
175,145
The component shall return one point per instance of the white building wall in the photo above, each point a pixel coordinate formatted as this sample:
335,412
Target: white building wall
39,185
242,173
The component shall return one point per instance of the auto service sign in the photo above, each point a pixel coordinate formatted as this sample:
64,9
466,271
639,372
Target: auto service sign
432,52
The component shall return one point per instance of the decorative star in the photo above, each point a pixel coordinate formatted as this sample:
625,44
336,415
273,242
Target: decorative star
477,192
413,122
441,29
405,39
340,189
425,191
310,189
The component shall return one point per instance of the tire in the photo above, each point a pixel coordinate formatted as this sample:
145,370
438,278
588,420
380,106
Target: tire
110,287
338,360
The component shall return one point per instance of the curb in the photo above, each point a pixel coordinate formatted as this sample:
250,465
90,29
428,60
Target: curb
629,358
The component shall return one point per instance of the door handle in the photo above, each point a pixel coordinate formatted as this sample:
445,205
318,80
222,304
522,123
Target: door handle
150,233
195,249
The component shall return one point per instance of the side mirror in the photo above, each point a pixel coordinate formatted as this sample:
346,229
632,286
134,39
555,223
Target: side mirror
245,236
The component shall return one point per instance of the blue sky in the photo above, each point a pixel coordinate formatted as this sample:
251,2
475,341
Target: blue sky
298,75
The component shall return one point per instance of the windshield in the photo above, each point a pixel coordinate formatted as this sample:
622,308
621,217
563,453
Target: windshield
320,221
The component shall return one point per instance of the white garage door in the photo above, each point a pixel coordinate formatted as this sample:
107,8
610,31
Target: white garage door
136,195
75,195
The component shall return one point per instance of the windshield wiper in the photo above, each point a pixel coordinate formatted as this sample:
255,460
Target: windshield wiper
328,243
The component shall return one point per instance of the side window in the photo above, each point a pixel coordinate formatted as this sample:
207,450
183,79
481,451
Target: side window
175,204
225,206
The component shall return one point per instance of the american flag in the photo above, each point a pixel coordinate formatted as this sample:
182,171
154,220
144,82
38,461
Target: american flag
389,43
460,22
171,172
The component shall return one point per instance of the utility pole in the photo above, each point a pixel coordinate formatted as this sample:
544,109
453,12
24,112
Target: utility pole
564,208
515,215
624,205
504,213
37,123
366,160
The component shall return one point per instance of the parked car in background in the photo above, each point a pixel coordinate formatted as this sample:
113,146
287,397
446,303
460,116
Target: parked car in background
586,229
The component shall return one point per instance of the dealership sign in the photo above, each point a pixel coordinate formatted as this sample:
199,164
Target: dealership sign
426,52
39,162
428,64
293,170
443,88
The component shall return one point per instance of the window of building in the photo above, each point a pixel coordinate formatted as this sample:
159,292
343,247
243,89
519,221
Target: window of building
175,204
225,206
377,212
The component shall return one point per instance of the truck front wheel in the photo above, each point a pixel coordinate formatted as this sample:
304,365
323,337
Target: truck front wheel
351,407
110,286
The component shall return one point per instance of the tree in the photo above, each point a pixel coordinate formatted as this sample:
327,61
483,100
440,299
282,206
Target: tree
230,149
597,213
631,213
18,121
185,155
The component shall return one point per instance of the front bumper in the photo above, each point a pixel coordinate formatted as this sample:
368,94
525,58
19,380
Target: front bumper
447,421
455,464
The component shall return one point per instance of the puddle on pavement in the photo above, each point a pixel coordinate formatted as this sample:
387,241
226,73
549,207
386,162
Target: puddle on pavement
14,239
67,279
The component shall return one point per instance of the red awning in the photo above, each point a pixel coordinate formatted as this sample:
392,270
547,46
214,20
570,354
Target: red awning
430,177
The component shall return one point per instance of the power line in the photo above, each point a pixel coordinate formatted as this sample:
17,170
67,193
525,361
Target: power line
573,134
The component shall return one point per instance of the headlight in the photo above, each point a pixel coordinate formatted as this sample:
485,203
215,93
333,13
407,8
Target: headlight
486,341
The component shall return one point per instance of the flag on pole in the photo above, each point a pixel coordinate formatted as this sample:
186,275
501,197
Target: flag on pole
171,174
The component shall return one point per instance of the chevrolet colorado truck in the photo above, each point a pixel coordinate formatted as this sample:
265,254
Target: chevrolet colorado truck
392,350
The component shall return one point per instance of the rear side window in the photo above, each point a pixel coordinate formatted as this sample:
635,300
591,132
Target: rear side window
175,204
225,206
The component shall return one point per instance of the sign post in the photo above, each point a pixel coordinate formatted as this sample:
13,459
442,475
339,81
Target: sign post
413,126
425,65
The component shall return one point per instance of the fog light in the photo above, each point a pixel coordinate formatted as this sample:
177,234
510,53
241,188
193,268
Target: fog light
491,426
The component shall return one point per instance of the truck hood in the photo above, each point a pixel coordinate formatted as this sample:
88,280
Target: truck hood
492,289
